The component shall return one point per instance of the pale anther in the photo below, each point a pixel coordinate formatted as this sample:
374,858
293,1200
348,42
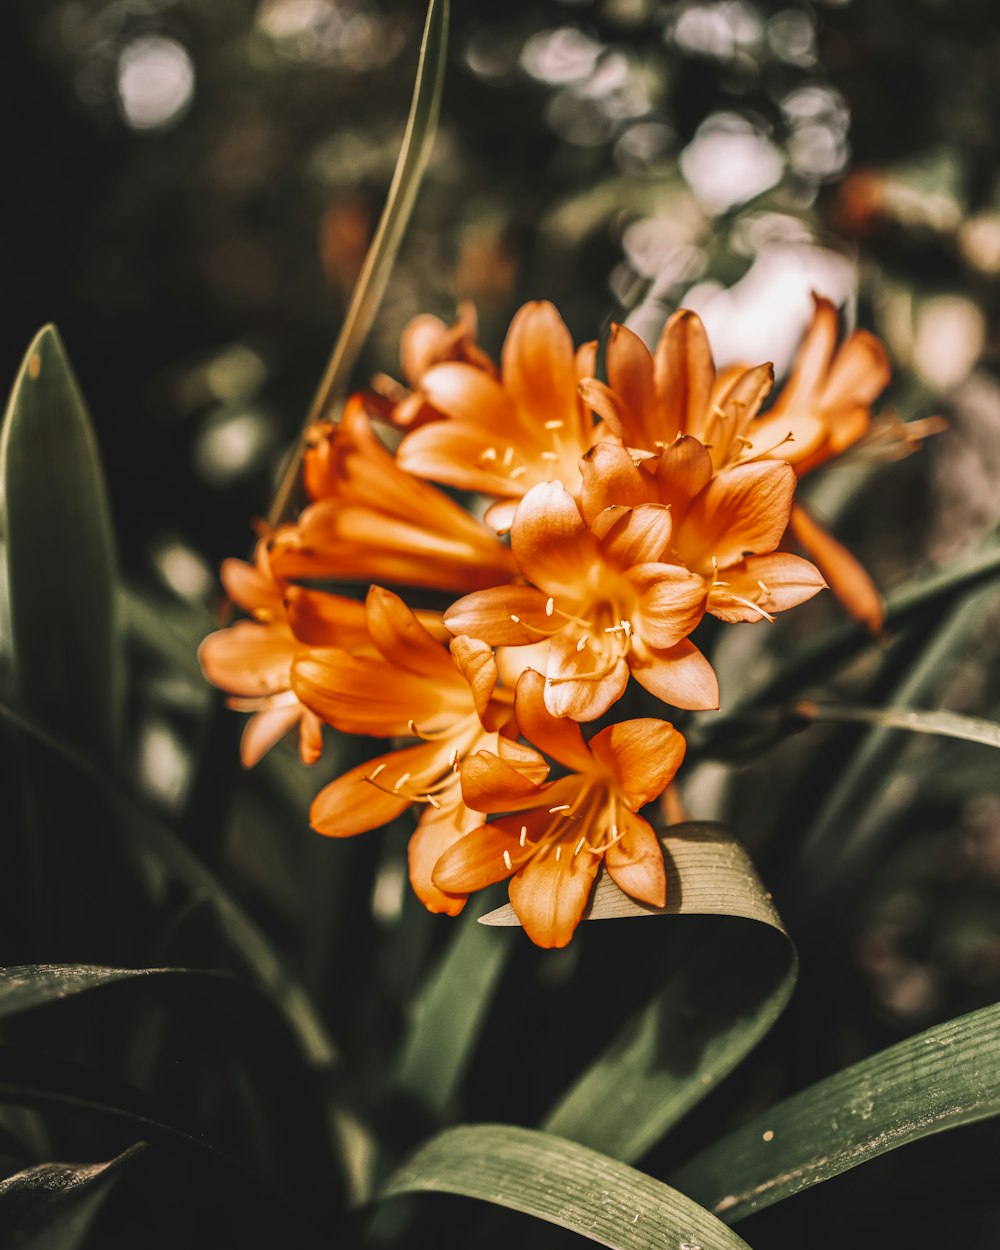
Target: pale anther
558,854
763,587
524,835
550,606
580,845
375,772
401,782
582,643
554,425
560,807
549,455
507,860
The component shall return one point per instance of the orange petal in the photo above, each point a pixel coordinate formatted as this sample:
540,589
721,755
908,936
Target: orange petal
324,620
859,373
684,372
743,510
579,684
635,863
420,345
250,588
762,585
524,758
812,360
630,377
734,406
453,452
611,477
550,895
680,676
353,804
478,860
604,402
474,660
682,471
642,754
551,544
640,536
553,734
469,395
538,366
670,602
362,694
491,785
310,736
265,728
843,571
436,832
500,515
490,615
401,638
249,659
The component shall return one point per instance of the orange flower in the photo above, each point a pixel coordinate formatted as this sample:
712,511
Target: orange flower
725,525
252,660
650,401
564,829
411,686
606,599
425,342
371,521
503,436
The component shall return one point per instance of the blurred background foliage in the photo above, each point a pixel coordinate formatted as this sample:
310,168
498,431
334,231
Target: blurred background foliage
191,190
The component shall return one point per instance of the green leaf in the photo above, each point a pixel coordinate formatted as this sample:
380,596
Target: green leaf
421,127
943,724
561,1183
61,565
52,1206
704,1019
448,1013
947,1076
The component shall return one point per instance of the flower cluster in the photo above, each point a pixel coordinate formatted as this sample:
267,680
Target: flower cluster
633,506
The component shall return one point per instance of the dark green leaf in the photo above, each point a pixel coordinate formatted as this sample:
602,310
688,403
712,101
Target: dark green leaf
51,1206
940,1079
704,1019
943,724
449,1011
61,564
562,1183
421,127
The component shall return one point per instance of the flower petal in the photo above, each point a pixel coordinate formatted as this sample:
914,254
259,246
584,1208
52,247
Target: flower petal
670,602
743,510
635,863
683,470
684,372
353,804
759,586
502,616
642,754
551,733
843,571
812,361
492,785
319,619
680,676
363,694
550,895
478,860
611,477
249,659
469,395
457,454
580,684
310,736
551,544
475,661
403,641
859,373
249,587
538,366
437,830
265,728
630,377
640,536
603,400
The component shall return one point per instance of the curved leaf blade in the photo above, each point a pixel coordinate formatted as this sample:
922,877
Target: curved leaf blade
421,127
938,1080
51,1206
61,563
562,1183
941,724
704,1019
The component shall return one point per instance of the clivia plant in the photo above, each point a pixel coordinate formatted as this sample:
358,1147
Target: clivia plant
485,606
